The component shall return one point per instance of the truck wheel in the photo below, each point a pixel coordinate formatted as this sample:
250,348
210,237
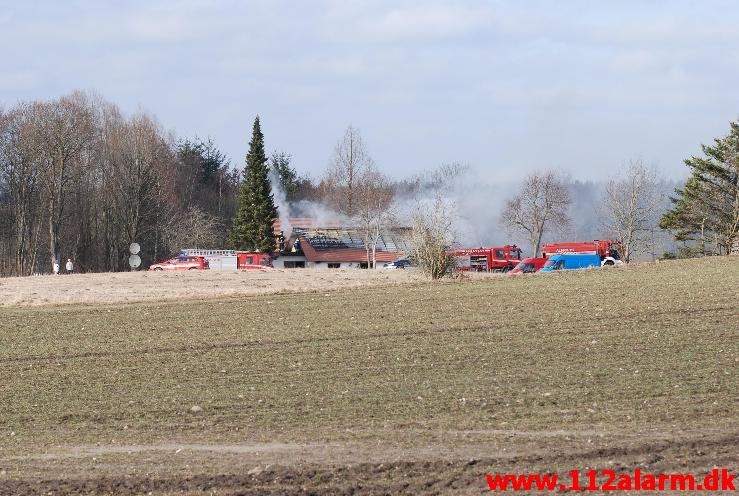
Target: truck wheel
158,269
608,262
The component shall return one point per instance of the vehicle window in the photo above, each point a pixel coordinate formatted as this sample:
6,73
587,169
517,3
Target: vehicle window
265,262
527,267
559,264
181,259
250,260
499,254
332,265
549,263
516,253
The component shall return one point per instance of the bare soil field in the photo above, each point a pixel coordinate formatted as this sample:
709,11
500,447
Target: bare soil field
399,387
120,287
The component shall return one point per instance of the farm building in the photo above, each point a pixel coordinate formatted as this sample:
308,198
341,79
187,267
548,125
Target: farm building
338,247
307,245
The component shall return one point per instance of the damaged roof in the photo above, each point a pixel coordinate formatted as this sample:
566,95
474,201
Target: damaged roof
346,245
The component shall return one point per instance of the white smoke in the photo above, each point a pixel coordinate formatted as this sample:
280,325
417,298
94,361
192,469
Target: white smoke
283,207
320,214
475,202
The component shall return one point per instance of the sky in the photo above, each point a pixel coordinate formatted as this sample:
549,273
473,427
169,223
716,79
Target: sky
508,87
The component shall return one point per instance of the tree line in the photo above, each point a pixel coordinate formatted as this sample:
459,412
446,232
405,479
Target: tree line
80,180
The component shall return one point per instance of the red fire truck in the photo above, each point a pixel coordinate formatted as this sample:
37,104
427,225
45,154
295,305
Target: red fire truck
231,259
488,259
608,250
248,261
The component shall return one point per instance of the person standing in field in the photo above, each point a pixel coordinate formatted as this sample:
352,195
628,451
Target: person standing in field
70,266
55,268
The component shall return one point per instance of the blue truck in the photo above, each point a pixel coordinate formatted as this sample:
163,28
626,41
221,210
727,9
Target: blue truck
569,261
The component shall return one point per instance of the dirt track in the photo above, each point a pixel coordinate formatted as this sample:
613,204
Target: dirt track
276,469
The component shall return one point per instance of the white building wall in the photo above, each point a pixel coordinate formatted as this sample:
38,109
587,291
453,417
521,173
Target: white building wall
279,263
343,265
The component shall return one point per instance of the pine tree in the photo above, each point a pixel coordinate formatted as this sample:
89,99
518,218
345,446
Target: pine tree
252,228
706,209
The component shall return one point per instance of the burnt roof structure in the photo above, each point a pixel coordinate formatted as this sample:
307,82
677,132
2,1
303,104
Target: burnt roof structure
346,245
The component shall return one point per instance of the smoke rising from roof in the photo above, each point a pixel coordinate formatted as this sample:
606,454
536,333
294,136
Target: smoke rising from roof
477,204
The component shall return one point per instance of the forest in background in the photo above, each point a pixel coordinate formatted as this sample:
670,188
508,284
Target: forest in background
79,179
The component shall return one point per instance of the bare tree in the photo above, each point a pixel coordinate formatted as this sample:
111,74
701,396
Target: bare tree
374,213
540,205
83,180
348,164
444,177
19,172
193,228
142,152
632,207
433,236
62,131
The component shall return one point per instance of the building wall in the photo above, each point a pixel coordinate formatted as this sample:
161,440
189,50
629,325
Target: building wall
279,263
342,265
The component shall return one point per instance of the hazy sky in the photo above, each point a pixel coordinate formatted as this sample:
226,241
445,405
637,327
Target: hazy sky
507,86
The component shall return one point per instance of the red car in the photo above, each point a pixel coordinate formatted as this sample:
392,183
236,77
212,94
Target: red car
182,263
529,265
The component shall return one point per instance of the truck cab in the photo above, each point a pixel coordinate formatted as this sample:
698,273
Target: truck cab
253,261
570,261
487,259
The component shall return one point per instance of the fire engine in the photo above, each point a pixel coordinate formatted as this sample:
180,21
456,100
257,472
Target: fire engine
486,259
231,259
609,251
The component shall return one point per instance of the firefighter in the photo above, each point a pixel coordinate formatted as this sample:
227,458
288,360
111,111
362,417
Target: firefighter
69,266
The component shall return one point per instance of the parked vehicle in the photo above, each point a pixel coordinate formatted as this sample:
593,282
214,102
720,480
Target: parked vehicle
529,265
182,263
251,261
569,261
231,259
403,263
609,251
490,259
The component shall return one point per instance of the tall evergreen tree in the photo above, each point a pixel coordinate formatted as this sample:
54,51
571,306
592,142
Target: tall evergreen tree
706,209
252,228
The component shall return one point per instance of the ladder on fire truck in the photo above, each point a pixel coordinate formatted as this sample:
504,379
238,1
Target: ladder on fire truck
190,252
